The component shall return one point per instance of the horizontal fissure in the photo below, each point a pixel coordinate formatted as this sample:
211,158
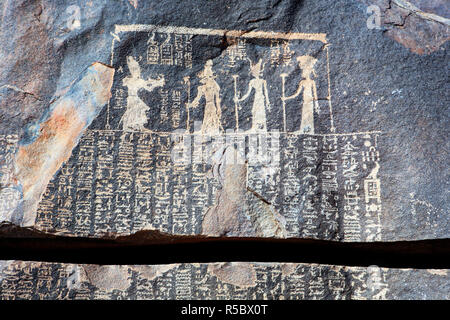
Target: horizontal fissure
153,247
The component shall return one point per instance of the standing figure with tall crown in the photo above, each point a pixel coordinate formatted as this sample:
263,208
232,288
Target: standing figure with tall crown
135,116
209,89
261,99
310,99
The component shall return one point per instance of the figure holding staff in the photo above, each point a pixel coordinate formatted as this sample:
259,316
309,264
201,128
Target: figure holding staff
210,90
261,99
310,99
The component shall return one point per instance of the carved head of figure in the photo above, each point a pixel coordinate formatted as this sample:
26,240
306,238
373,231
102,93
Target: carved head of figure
207,73
256,69
307,64
134,67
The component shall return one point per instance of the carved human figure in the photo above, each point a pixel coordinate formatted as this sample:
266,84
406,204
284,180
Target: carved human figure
261,99
210,90
310,99
135,116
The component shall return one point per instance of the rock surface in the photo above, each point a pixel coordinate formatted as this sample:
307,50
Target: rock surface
342,135
420,25
218,281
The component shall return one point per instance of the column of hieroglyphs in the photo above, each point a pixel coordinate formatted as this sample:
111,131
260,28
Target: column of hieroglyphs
65,195
329,212
104,182
44,280
124,181
264,173
336,282
372,190
358,280
202,290
272,175
310,186
236,52
296,284
291,185
164,105
275,275
316,283
352,207
199,196
180,206
162,187
280,53
183,282
175,116
84,184
188,51
45,217
262,278
169,49
144,287
9,196
143,181
255,161
166,286
9,283
178,50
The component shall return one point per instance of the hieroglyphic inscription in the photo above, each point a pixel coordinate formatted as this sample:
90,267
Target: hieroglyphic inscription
148,161
218,281
169,49
138,185
10,195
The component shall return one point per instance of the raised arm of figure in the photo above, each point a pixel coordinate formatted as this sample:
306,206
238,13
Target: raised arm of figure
300,87
195,102
247,94
154,83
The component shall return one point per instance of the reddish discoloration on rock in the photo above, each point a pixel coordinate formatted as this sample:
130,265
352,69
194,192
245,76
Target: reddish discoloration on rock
38,161
57,135
422,30
419,35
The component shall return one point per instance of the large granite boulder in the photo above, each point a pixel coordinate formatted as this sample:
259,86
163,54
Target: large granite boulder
275,119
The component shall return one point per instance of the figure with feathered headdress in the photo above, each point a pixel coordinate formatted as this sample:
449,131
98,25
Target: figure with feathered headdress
209,89
310,99
261,99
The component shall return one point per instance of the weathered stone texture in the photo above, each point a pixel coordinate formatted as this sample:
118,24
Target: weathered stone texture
420,25
218,281
349,128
